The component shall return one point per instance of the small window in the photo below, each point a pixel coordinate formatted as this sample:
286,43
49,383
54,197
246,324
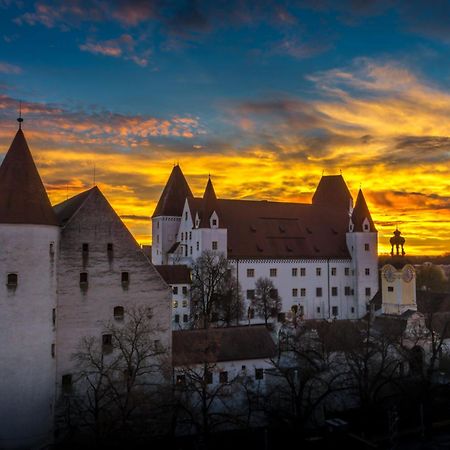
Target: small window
294,271
52,248
175,304
125,277
214,245
208,377
366,227
302,271
181,380
182,236
186,216
214,222
177,318
223,377
366,247
85,247
52,350
334,311
273,272
118,312
368,291
107,343
109,248
54,316
250,294
352,309
318,271
319,292
175,290
250,273
184,290
390,288
184,303
295,292
303,292
83,278
333,271
198,246
318,310
347,290
185,318
347,271
334,291
12,280
244,368
367,271
66,383
259,374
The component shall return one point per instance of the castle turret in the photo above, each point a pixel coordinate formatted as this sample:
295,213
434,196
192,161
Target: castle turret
167,216
362,242
29,239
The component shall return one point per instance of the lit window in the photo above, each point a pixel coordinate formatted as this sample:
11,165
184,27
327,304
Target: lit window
250,273
294,272
118,312
273,272
175,304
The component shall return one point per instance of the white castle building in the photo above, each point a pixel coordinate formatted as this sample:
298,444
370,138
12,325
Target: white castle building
322,257
66,271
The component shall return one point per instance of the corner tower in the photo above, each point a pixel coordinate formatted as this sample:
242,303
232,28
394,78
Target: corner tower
29,239
167,216
362,243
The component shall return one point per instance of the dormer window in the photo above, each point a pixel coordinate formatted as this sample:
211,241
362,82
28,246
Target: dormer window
214,222
366,225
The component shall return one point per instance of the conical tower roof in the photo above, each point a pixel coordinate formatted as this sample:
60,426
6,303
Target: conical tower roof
209,204
175,192
332,191
23,199
360,213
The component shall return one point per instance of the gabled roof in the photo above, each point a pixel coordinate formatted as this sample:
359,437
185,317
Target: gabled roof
65,210
23,198
360,213
175,192
221,344
174,274
332,191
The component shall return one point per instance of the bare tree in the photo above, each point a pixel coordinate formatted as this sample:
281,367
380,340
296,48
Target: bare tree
215,292
122,380
266,302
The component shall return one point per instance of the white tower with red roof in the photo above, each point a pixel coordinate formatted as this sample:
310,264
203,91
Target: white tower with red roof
29,240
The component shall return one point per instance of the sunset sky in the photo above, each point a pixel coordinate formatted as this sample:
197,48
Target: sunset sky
263,95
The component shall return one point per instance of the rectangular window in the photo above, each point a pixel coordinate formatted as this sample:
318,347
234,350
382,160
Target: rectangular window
294,271
390,288
54,316
85,247
334,311
318,310
319,292
250,273
182,236
107,343
352,310
367,271
177,318
318,271
175,290
259,374
83,278
125,278
214,245
109,247
185,318
185,304
11,280
294,292
334,291
184,290
223,377
302,271
347,290
190,235
214,222
208,377
273,272
333,271
368,291
347,271
53,350
366,247
303,292
250,294
175,304
185,216
190,250
198,246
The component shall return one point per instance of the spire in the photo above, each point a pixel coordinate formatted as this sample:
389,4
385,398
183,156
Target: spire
175,192
209,204
23,198
361,213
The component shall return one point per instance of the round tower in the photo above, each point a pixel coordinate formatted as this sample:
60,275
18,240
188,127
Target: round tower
29,239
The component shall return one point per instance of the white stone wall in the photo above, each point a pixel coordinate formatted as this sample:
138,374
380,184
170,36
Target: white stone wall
84,312
27,367
332,275
164,235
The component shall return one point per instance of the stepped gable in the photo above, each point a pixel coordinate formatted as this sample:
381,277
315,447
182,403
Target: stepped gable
23,199
175,192
332,192
360,213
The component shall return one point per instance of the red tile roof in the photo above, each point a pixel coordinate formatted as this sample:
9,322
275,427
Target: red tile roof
332,191
23,198
209,204
221,344
171,202
360,213
177,274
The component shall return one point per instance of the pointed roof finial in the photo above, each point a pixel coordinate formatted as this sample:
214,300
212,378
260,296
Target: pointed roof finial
19,119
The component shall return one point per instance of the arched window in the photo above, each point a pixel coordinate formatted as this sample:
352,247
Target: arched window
118,312
12,279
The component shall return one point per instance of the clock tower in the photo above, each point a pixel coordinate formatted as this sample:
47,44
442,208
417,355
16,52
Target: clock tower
398,281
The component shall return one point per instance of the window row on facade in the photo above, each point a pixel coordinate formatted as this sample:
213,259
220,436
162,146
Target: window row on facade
124,278
295,271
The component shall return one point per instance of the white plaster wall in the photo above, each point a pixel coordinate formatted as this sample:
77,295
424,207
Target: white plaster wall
285,282
164,235
84,313
178,308
27,369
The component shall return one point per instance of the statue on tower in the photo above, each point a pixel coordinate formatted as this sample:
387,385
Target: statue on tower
397,241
